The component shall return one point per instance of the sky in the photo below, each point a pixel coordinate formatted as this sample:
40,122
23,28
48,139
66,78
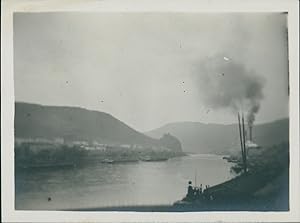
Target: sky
144,68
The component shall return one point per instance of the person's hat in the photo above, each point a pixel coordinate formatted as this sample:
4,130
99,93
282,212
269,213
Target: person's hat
190,182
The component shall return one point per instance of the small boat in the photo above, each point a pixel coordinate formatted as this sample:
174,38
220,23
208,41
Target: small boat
107,161
146,158
152,159
160,159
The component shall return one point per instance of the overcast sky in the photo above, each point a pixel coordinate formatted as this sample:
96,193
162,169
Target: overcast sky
141,68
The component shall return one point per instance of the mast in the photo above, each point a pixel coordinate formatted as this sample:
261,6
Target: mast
242,140
195,177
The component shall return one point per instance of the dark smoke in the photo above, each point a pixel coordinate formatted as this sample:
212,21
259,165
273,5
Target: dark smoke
225,84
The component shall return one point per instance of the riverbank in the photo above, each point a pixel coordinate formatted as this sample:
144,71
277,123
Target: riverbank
249,192
71,156
265,185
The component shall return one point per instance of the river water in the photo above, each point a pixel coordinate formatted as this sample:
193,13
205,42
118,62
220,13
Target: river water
102,185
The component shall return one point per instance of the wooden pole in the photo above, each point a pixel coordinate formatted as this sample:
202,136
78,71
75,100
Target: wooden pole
241,140
244,139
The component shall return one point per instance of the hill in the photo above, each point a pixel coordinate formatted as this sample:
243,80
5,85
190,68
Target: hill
73,123
217,138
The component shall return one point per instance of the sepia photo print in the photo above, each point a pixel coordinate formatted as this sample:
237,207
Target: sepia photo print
152,111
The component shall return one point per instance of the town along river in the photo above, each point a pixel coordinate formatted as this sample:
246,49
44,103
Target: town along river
118,184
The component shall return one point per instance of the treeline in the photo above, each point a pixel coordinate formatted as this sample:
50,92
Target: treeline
127,155
57,155
51,155
269,161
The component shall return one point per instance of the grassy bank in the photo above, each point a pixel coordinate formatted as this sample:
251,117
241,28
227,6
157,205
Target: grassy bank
264,187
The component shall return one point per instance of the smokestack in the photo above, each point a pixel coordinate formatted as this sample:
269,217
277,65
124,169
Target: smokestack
250,132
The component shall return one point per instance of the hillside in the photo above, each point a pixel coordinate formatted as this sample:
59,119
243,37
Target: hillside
216,138
72,123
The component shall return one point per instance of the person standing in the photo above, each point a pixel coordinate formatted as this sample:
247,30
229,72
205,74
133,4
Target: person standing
190,192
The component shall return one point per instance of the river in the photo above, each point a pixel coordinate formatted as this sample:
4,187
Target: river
102,185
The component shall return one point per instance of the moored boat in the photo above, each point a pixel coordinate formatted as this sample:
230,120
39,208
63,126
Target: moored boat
151,159
107,161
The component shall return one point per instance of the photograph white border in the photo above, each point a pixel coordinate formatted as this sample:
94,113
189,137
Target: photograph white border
8,7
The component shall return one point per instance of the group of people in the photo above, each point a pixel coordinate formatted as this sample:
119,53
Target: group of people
195,192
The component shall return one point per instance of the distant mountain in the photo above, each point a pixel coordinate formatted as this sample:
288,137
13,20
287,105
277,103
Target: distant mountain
72,123
216,138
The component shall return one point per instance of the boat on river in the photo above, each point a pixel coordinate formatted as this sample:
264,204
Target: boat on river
107,161
152,159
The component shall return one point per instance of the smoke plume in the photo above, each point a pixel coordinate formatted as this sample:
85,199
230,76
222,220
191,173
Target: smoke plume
225,84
